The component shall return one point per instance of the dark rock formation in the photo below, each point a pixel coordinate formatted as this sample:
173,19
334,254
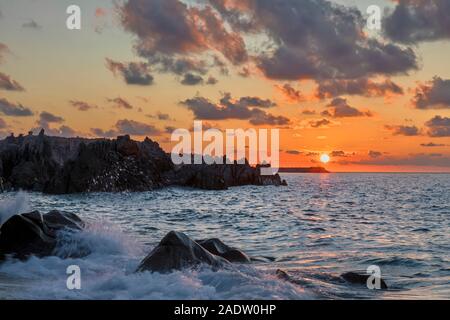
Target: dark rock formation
360,278
220,176
73,165
35,234
218,248
112,166
177,251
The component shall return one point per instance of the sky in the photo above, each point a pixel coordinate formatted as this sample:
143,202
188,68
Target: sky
373,100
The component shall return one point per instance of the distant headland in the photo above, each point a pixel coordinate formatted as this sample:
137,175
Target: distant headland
304,170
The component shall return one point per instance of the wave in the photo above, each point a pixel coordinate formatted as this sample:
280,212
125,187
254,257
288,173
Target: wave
107,272
9,207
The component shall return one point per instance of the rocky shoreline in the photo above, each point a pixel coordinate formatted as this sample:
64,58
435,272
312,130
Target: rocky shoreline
56,165
34,234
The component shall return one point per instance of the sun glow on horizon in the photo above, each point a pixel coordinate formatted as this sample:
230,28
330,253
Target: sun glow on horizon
324,158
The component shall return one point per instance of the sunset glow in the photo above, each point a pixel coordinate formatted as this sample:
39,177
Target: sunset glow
324,158
140,75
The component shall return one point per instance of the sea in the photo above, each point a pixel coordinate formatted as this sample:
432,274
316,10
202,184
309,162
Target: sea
315,229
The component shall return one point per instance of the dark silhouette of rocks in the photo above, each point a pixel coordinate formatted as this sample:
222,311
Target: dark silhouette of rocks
32,233
218,248
177,251
73,165
304,170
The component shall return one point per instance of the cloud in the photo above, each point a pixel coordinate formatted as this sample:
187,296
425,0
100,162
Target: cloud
414,21
245,108
401,130
260,117
168,29
32,25
432,145
362,86
338,154
133,73
375,154
3,124
3,50
317,39
425,160
169,129
47,117
130,127
81,105
6,83
294,152
121,103
136,128
160,116
105,133
434,94
319,123
296,39
308,112
14,110
191,79
339,108
292,95
438,127
212,81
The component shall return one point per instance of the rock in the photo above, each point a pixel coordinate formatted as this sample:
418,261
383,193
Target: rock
283,275
112,166
360,278
218,248
220,176
59,165
177,251
35,234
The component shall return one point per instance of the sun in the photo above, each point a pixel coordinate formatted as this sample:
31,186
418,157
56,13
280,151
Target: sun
324,158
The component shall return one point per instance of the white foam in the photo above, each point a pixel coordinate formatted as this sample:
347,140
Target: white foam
108,273
15,204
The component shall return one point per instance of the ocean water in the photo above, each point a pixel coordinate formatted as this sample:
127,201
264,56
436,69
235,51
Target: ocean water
316,228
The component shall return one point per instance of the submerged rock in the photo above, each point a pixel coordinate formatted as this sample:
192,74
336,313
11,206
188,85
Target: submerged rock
218,248
177,251
35,234
360,278
283,275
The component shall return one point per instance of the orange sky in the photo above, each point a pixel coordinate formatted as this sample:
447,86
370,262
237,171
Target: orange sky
55,66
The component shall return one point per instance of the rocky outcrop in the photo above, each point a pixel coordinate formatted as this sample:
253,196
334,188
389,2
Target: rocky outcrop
73,165
112,166
220,176
35,234
177,251
218,248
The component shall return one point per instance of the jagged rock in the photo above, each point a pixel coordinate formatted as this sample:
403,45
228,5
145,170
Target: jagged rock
360,278
218,248
177,251
35,234
112,166
220,176
73,165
